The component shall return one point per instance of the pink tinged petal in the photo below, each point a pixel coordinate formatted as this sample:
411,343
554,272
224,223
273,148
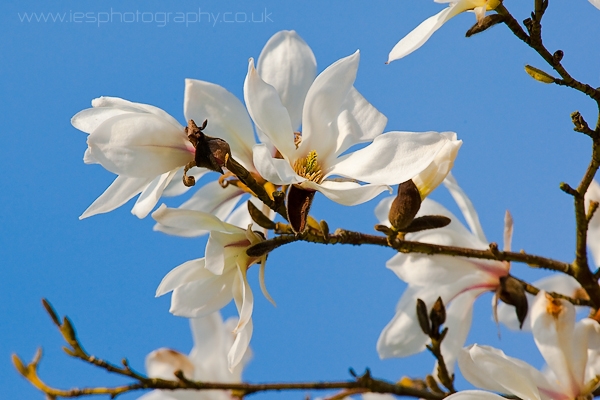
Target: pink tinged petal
202,297
474,395
274,170
418,36
118,193
346,193
491,369
358,122
267,112
288,64
129,106
183,274
227,117
140,145
323,105
210,198
221,247
163,363
240,346
424,270
458,321
392,158
466,207
189,219
553,323
383,209
435,173
593,235
151,194
176,186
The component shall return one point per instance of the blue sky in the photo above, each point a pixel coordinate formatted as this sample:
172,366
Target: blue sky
332,301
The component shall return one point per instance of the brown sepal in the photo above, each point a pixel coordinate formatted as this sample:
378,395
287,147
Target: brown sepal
437,315
512,292
427,222
405,206
211,153
486,23
422,317
261,219
298,206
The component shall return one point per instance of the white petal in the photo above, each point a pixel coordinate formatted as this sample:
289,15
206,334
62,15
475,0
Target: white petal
458,321
191,220
202,297
227,117
382,210
466,207
323,104
208,338
240,216
288,64
267,111
347,193
222,248
595,3
593,235
474,395
358,122
185,273
88,158
240,346
274,170
163,363
242,294
210,198
118,193
151,195
392,158
553,323
141,145
88,120
158,395
431,177
418,36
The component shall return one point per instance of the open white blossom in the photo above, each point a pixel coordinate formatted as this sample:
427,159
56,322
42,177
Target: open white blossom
205,285
596,3
418,36
458,281
142,144
570,349
206,362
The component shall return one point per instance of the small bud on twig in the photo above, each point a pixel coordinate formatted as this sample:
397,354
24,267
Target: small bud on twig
512,292
422,317
405,206
486,23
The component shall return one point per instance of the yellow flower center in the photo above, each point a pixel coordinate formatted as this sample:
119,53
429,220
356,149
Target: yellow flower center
309,167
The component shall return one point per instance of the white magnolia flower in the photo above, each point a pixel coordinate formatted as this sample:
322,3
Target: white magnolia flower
335,117
206,362
570,349
288,64
595,3
205,285
458,281
418,36
142,144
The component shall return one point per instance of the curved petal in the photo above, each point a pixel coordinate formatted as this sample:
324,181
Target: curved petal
466,207
346,193
458,321
357,122
423,270
392,158
274,170
242,294
288,64
202,297
418,36
210,339
189,220
323,104
595,3
553,323
130,106
89,119
222,247
227,117
240,346
382,210
163,363
241,217
474,395
185,273
267,112
140,145
118,193
431,177
151,195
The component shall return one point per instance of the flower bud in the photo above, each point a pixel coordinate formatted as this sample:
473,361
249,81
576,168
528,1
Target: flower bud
422,317
437,315
405,206
512,292
486,23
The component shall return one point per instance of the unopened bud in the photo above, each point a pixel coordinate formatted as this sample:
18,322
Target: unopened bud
512,292
405,206
422,317
486,23
557,56
437,315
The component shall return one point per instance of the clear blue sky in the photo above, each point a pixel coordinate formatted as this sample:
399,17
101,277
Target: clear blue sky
332,301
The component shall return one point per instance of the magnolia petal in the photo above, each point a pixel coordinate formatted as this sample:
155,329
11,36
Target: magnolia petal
288,64
474,395
163,363
242,294
240,216
209,339
423,270
176,186
593,234
88,158
459,315
190,219
392,158
130,106
491,369
240,346
89,119
466,207
267,111
431,177
139,145
418,36
221,247
211,198
185,273
202,297
383,209
159,395
595,3
118,193
322,107
151,195
553,323
274,170
357,122
346,193
227,117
